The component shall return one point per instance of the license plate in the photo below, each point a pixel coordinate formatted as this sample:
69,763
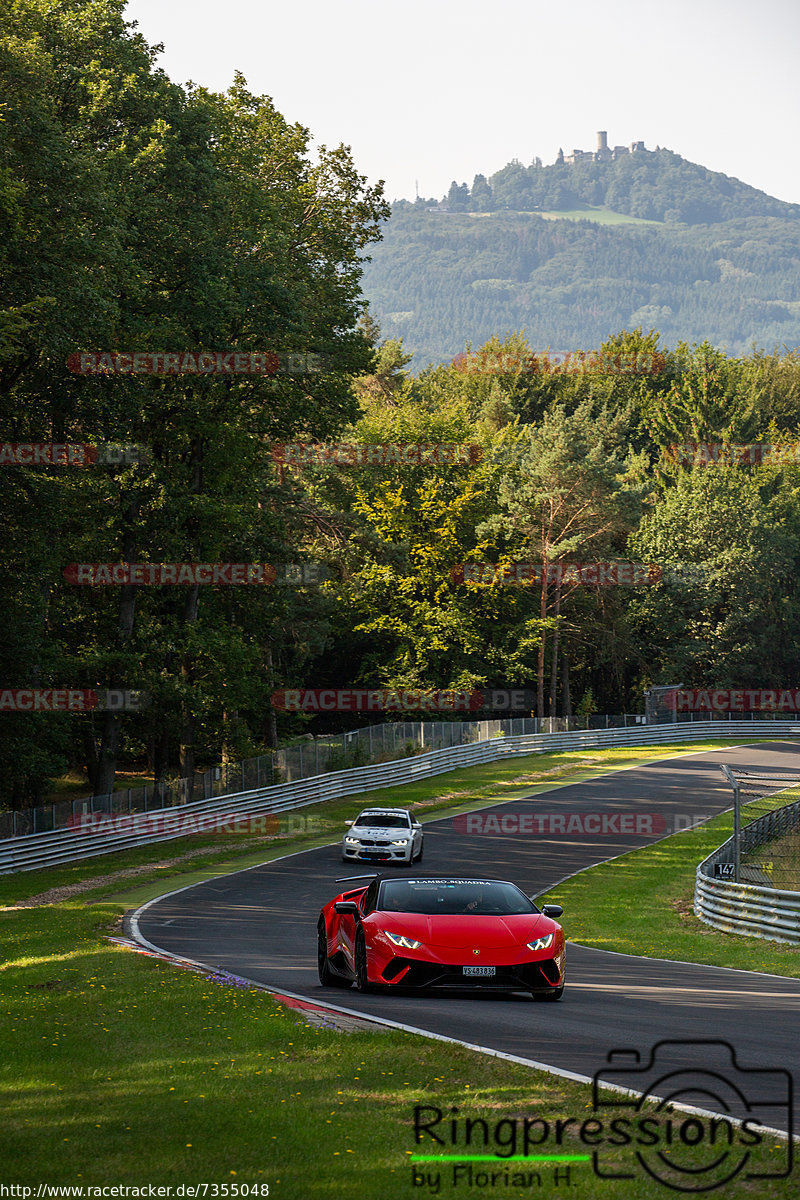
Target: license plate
479,970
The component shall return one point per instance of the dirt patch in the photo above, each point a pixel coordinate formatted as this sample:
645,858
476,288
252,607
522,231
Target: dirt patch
57,894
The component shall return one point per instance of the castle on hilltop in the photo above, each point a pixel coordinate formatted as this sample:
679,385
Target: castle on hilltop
603,153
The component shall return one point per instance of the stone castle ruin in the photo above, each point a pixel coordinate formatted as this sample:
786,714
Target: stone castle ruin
603,153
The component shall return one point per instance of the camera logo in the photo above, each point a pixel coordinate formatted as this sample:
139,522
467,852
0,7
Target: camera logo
732,1108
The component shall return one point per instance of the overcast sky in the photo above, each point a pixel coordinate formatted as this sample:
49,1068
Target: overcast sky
434,90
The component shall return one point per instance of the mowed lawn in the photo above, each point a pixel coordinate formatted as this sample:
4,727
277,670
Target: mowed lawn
117,1068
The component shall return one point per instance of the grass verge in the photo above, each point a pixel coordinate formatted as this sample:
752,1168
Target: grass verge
192,859
116,1068
641,903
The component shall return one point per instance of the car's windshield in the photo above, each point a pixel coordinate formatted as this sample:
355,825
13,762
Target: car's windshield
384,820
449,897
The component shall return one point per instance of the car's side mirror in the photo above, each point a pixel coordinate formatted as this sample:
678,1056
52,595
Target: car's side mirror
416,825
347,908
348,823
552,910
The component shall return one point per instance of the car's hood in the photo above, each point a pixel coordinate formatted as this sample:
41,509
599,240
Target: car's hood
377,831
457,932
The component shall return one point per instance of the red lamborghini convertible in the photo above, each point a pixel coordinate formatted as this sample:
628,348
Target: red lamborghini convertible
440,933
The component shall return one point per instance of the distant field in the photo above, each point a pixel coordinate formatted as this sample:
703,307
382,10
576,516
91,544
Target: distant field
599,215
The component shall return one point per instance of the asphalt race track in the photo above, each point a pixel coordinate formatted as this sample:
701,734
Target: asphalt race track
261,924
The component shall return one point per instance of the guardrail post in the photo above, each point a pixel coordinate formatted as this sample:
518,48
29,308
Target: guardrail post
737,819
737,831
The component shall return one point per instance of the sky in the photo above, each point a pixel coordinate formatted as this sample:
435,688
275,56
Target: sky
433,90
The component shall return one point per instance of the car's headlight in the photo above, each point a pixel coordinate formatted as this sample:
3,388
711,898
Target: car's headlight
351,841
542,943
399,841
397,939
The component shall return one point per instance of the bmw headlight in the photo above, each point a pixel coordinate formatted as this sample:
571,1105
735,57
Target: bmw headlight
400,841
407,943
351,841
542,943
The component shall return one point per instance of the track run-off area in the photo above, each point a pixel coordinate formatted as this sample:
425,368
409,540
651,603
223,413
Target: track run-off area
260,923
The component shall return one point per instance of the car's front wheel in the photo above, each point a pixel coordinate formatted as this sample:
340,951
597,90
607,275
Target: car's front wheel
362,980
327,977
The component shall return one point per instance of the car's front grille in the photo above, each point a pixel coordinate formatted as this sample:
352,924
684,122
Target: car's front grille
523,976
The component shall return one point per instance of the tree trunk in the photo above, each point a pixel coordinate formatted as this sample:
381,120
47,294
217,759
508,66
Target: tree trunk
566,699
105,760
188,719
272,722
556,640
191,608
542,647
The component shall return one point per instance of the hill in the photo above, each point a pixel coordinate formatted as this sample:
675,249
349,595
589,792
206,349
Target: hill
573,253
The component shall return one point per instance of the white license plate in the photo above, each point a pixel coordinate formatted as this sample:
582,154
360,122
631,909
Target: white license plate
479,970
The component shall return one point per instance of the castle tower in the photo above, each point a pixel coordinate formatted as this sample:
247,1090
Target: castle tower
602,153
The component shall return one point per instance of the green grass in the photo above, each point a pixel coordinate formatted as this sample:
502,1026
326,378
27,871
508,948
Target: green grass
595,213
319,824
600,216
118,1069
75,786
641,903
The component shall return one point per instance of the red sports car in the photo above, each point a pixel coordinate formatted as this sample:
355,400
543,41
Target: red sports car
441,933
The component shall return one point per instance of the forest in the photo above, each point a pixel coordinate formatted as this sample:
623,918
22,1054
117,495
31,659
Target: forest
188,247
650,240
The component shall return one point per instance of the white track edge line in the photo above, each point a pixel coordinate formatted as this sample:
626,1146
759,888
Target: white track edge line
529,1062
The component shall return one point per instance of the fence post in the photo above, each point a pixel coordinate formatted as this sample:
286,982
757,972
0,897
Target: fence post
737,818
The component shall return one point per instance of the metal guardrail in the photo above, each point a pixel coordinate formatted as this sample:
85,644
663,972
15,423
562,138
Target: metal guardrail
747,908
306,757
59,846
750,908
